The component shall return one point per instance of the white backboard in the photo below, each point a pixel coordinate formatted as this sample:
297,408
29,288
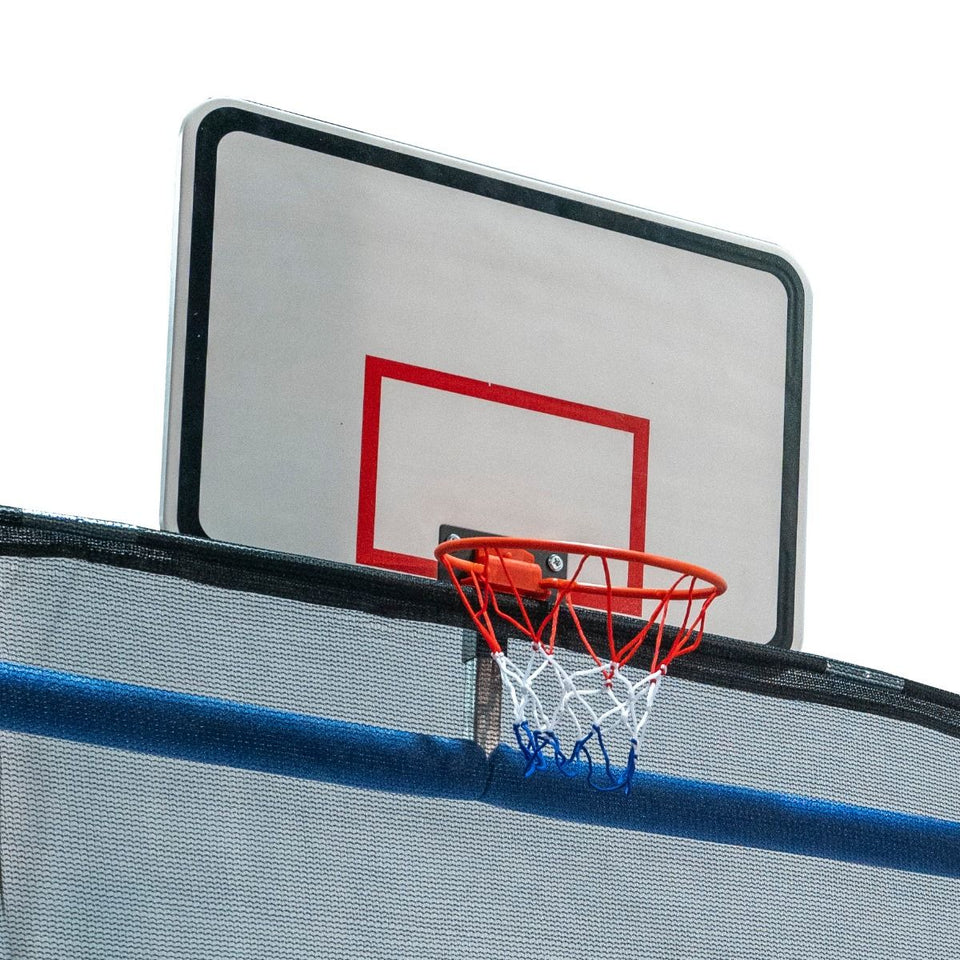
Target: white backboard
370,340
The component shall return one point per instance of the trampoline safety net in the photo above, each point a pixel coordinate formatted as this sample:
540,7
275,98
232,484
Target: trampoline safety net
210,751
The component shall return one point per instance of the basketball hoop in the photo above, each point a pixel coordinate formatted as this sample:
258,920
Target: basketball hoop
571,710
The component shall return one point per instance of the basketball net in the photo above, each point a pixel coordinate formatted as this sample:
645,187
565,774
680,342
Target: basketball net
570,711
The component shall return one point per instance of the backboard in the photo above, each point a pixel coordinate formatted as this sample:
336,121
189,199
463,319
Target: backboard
370,341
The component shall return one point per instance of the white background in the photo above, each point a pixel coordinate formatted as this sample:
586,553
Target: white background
830,130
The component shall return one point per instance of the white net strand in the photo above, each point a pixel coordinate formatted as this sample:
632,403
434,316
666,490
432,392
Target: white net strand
562,716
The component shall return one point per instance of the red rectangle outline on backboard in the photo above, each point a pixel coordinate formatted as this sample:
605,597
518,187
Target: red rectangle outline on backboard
378,369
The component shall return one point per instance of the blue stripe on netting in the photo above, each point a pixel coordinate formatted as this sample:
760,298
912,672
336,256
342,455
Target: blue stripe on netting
187,727
719,813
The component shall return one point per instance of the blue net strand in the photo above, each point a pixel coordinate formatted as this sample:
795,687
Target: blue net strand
533,744
542,749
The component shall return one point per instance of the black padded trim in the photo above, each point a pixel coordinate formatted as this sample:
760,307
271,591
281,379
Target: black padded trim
720,661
